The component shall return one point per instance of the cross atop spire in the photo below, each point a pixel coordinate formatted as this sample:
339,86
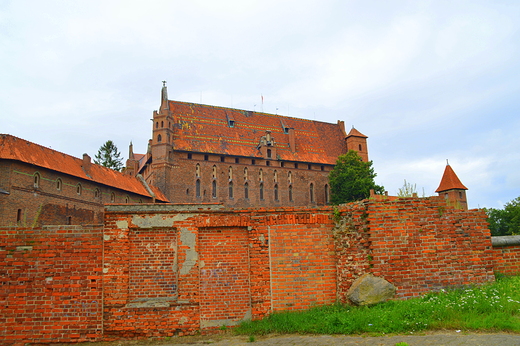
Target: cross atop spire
163,83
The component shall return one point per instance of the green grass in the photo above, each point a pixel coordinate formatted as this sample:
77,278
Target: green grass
491,307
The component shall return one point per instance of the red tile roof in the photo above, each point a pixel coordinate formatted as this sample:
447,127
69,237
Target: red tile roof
228,131
355,133
450,181
14,148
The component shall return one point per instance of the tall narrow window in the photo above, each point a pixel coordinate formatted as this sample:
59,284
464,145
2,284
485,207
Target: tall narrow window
197,188
97,193
276,192
36,180
261,191
327,194
127,199
311,192
269,153
112,197
275,176
159,138
289,177
214,172
214,189
237,160
78,189
246,191
19,216
230,173
59,184
230,189
206,157
197,170
245,173
290,193
261,175
360,148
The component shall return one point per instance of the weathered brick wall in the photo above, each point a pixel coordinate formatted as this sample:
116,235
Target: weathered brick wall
422,244
50,287
183,269
302,257
351,241
506,255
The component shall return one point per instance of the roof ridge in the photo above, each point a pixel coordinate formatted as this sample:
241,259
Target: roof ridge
256,112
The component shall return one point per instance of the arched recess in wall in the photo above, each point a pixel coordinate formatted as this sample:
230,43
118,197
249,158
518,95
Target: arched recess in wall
311,192
327,196
59,184
214,189
79,189
197,188
246,190
290,193
230,189
36,180
276,192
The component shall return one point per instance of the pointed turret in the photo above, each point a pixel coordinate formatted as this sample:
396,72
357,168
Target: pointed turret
357,141
452,189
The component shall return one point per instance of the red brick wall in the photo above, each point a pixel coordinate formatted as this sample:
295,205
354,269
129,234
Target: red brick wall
224,276
422,244
303,263
50,287
182,269
506,260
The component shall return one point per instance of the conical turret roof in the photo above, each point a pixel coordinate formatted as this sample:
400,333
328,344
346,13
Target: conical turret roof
355,133
450,181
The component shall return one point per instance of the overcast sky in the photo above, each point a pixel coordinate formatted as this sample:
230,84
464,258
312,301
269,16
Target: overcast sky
426,81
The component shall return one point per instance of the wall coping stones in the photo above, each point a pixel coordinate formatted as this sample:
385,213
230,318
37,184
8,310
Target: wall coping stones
507,240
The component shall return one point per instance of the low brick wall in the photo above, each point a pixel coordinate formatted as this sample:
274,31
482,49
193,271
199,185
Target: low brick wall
506,255
51,288
164,270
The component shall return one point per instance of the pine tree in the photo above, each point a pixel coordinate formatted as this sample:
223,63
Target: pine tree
352,179
109,156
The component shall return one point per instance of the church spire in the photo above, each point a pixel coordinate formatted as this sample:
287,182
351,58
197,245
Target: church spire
164,97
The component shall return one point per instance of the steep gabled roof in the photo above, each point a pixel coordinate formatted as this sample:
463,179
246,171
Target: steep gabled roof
450,181
228,131
17,149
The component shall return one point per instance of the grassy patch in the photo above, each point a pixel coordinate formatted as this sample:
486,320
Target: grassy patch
491,307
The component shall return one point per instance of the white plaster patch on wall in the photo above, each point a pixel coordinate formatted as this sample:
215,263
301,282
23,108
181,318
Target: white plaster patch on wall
158,220
122,224
188,239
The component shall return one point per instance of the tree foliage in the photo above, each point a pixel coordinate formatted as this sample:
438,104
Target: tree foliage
352,179
109,156
505,221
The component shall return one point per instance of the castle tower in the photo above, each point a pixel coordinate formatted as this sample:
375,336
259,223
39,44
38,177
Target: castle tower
357,141
161,144
452,189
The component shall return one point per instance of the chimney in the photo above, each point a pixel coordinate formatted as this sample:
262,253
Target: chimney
292,143
341,125
86,163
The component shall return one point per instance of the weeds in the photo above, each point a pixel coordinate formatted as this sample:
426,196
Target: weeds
490,307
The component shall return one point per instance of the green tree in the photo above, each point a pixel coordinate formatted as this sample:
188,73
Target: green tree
505,221
352,179
109,156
